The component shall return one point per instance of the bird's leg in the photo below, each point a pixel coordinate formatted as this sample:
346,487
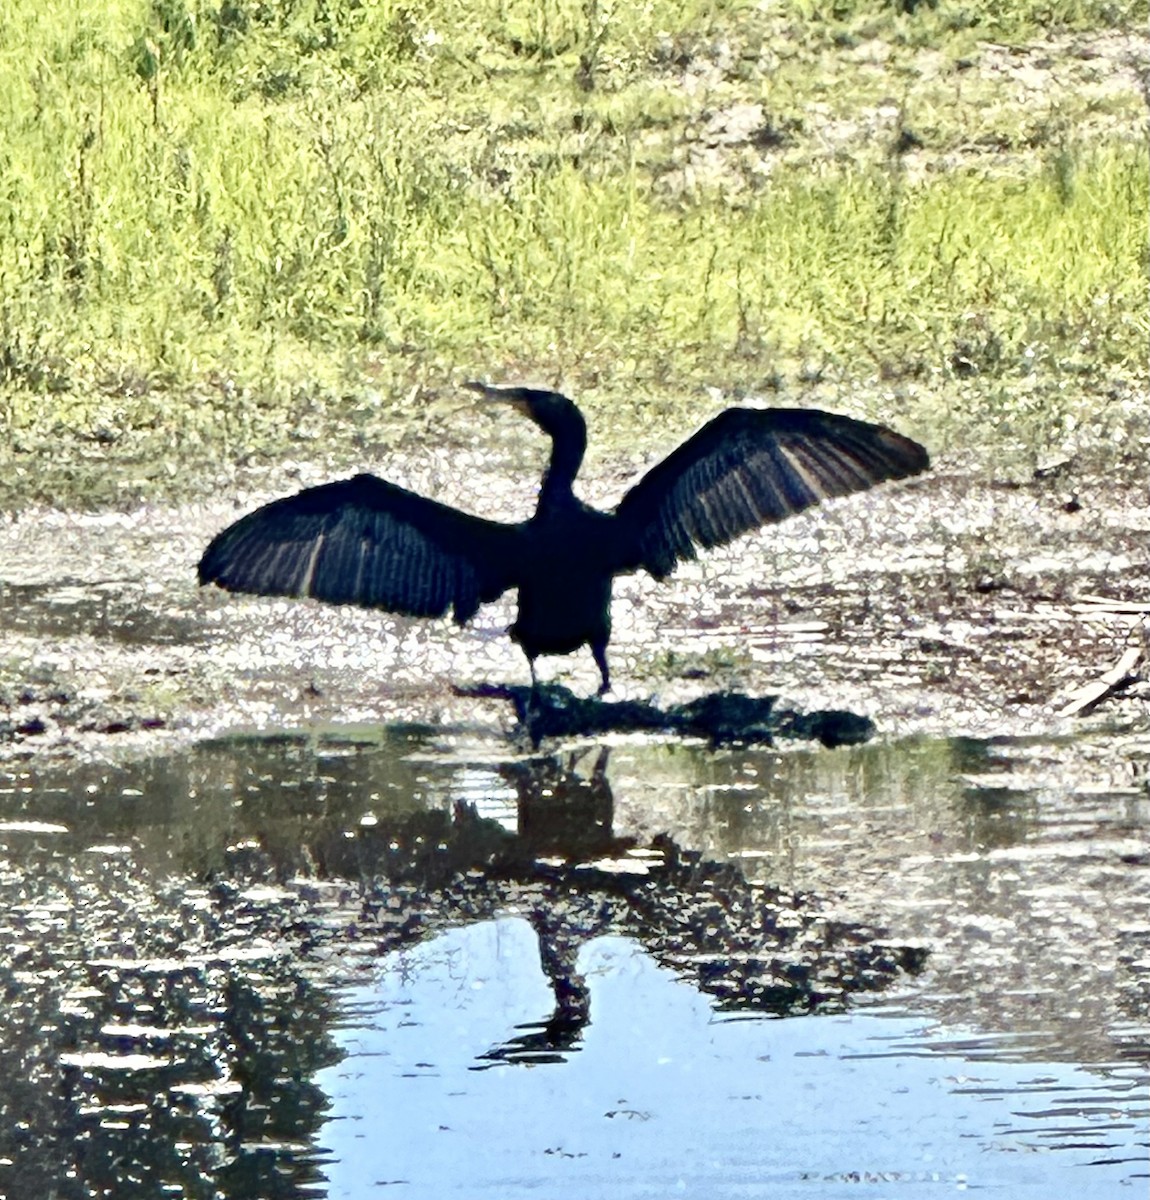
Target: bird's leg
526,708
599,653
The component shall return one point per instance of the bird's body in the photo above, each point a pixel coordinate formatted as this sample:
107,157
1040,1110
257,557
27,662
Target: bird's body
369,542
565,602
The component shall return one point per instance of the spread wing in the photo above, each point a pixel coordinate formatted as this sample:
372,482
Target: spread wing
749,467
366,541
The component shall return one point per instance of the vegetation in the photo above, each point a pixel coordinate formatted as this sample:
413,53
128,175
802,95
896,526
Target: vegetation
226,228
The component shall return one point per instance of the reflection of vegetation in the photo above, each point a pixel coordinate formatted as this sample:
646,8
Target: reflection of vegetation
991,813
168,1008
147,1050
178,927
233,202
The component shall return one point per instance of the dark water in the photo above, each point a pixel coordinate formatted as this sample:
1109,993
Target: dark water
353,962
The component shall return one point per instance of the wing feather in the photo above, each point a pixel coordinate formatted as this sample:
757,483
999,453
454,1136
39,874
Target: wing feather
749,467
368,542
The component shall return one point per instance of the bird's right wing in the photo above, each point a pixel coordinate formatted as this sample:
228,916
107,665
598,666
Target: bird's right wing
368,542
749,467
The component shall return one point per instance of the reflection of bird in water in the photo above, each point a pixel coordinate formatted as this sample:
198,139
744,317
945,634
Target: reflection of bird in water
366,541
575,877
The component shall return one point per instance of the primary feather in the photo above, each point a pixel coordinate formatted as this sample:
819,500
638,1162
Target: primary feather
368,542
750,467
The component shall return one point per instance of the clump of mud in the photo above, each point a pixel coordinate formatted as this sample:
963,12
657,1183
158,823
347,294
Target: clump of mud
553,711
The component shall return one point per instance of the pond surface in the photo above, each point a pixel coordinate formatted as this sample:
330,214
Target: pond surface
667,1097
353,961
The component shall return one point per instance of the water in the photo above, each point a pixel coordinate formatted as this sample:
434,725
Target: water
665,1097
352,962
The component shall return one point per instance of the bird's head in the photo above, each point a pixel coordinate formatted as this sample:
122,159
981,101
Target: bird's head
551,411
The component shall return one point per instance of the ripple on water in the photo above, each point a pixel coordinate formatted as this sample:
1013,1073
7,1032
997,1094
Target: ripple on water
368,955
664,1097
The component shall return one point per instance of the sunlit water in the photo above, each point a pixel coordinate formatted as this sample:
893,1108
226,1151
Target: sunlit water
417,963
666,1097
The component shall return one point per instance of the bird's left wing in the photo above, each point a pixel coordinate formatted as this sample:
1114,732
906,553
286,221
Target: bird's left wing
368,542
749,467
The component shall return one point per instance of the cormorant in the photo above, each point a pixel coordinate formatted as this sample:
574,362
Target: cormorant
369,542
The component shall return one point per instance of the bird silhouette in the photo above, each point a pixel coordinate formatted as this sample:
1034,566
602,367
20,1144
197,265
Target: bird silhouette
368,542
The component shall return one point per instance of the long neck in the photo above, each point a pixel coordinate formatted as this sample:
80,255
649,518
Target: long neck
568,433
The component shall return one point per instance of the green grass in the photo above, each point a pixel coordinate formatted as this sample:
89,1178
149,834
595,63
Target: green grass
229,228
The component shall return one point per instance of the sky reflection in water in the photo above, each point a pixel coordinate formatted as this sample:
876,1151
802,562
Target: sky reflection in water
665,1097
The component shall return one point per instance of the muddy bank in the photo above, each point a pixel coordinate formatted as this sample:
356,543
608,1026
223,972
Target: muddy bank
947,606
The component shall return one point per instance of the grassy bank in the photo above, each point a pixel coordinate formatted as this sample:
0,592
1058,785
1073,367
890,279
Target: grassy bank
227,228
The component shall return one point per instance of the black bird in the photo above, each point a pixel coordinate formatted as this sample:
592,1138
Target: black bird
368,542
